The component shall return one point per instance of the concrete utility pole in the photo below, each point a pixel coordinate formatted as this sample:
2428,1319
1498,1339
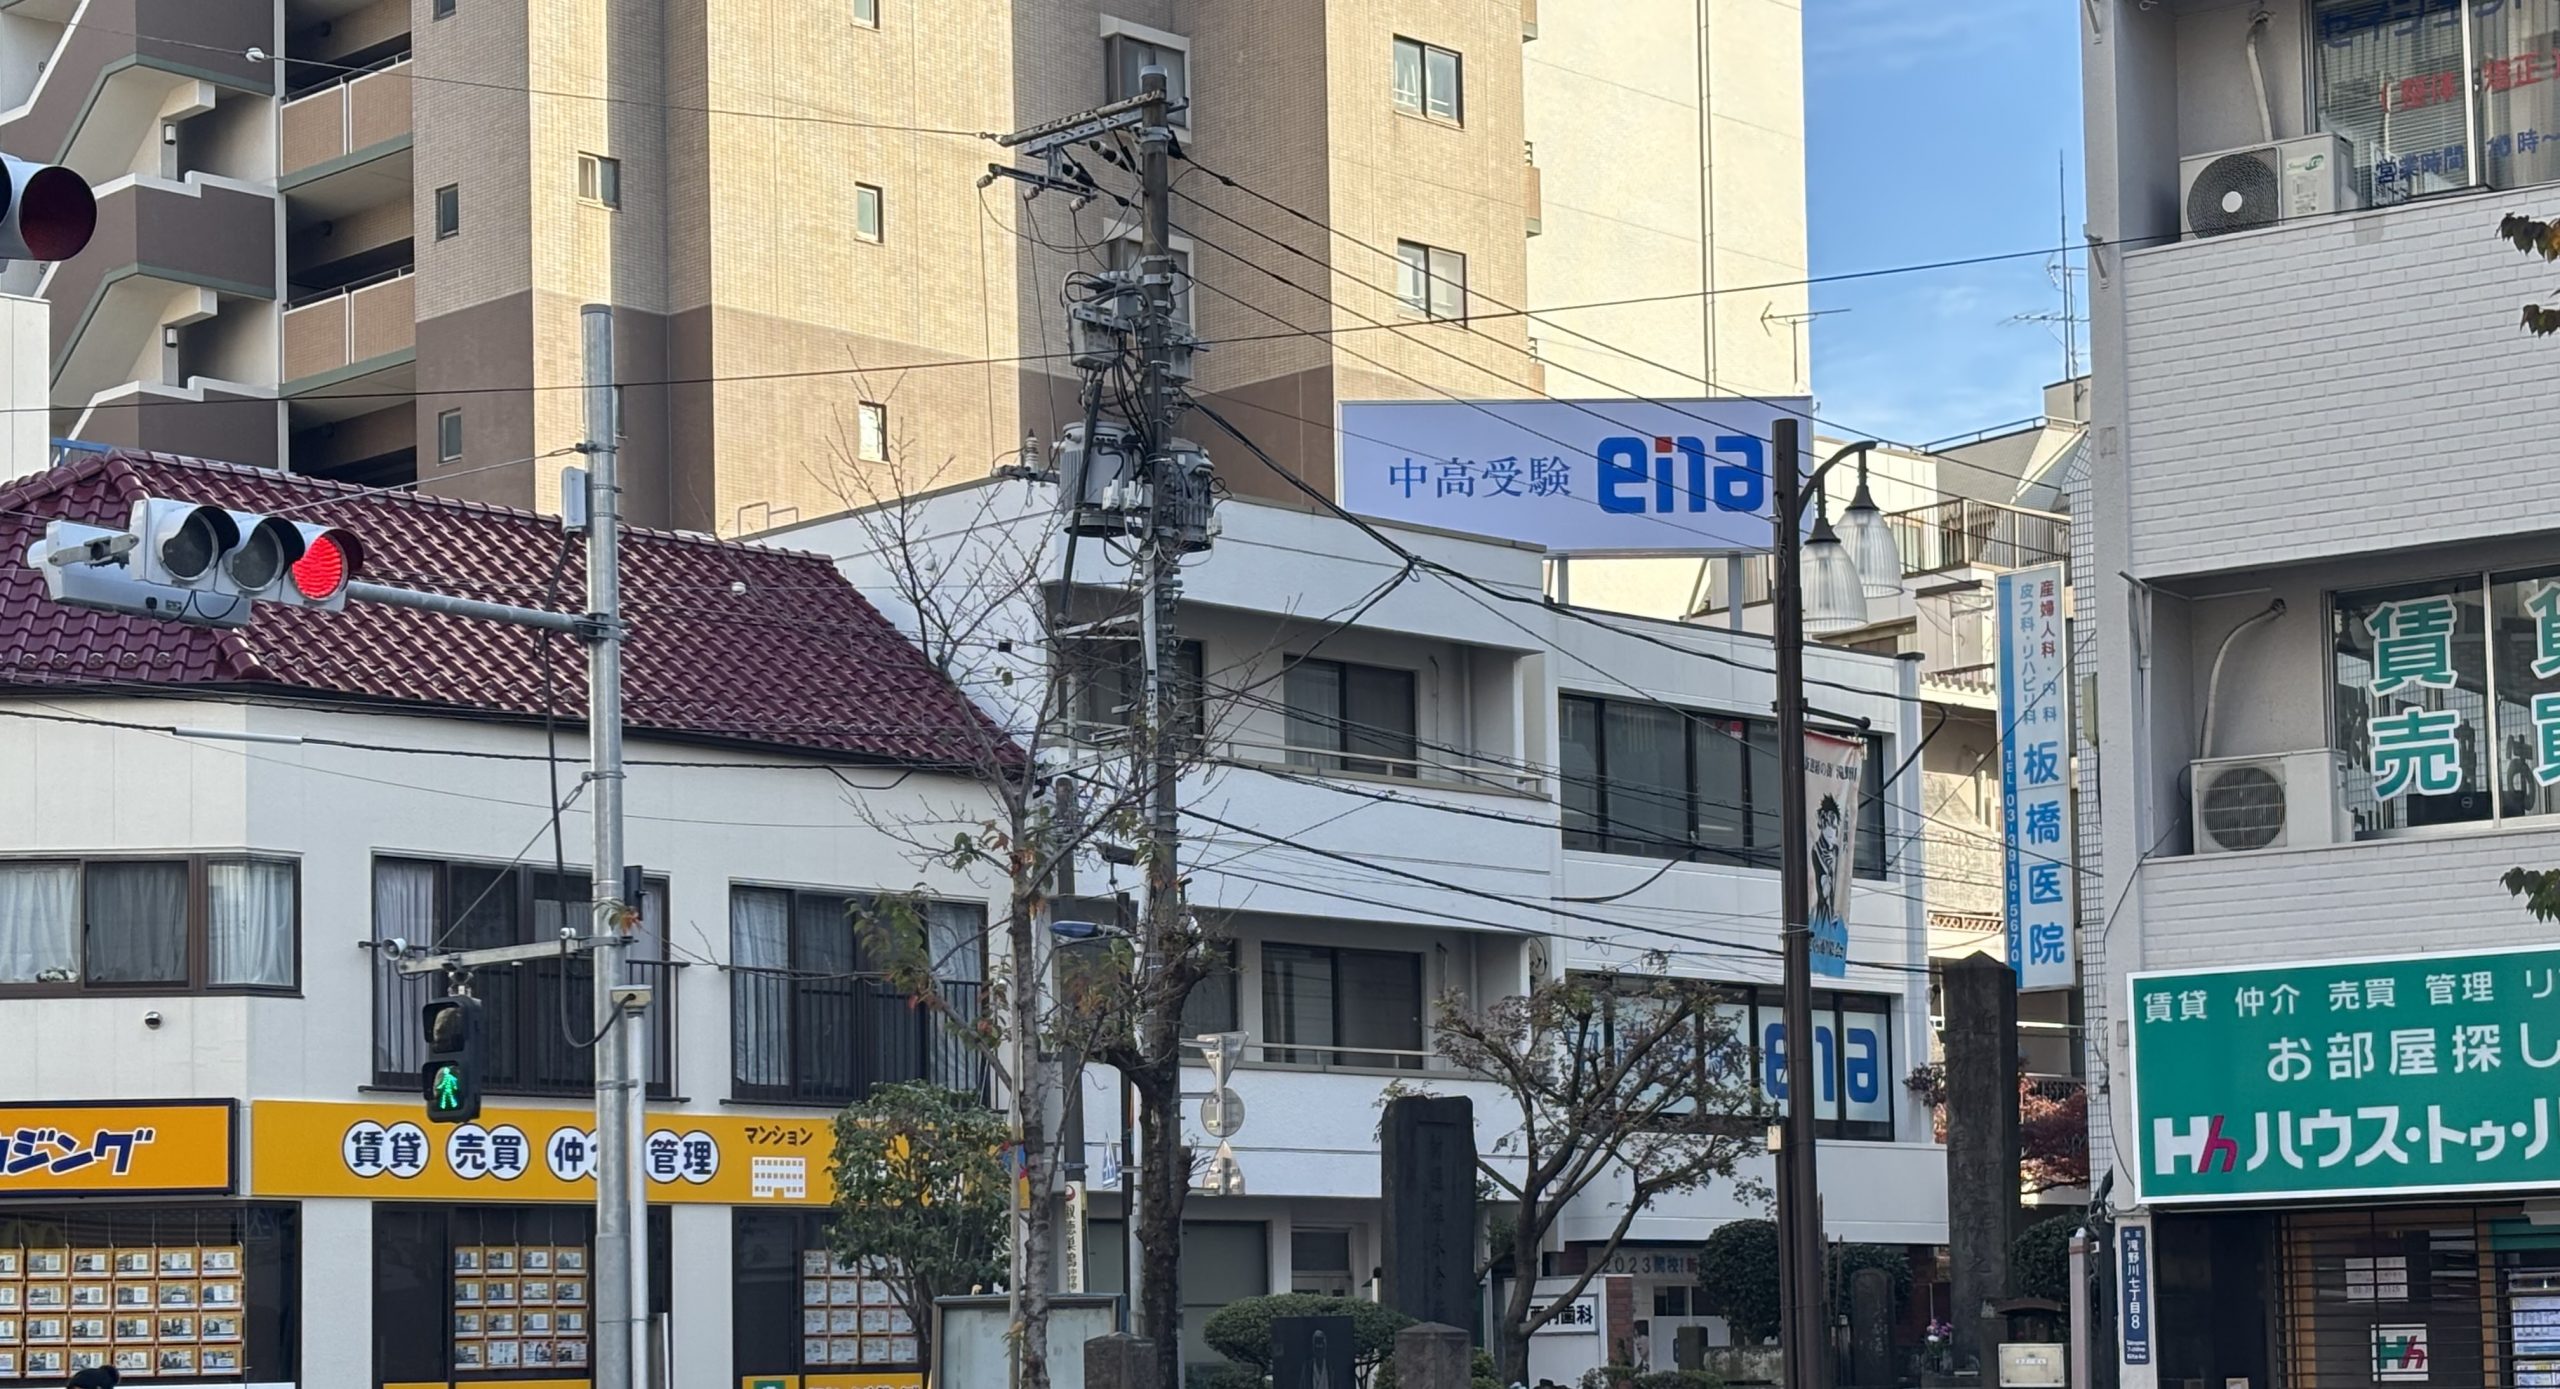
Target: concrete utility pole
622,1193
1167,514
1159,404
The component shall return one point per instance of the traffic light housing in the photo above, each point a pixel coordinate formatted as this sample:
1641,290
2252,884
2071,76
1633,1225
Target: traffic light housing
191,562
49,214
451,1078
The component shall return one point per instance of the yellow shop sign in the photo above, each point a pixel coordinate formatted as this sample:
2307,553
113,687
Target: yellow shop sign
388,1152
146,1148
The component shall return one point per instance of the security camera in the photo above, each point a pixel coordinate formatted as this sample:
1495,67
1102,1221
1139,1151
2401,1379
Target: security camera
100,549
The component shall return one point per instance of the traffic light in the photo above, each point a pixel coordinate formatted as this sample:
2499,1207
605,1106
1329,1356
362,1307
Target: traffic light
191,562
50,212
451,1078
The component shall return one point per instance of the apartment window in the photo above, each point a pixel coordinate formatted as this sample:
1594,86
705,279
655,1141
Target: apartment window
1106,681
813,1015
465,905
449,437
171,925
1659,782
1344,717
448,210
1327,1007
1126,57
867,13
600,179
2439,700
1431,282
1126,252
871,432
866,212
443,9
1427,81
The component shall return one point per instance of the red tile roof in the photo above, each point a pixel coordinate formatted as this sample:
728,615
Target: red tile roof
731,642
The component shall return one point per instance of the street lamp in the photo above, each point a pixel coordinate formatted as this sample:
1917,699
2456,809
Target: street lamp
1821,586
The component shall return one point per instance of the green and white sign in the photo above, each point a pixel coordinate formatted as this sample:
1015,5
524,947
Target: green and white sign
2399,1075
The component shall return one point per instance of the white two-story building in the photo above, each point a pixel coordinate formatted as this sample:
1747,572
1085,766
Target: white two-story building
1411,786
2322,591
218,1166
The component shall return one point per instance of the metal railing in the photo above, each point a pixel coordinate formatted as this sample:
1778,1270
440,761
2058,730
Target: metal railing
1964,531
807,1038
1310,1056
1428,771
527,1015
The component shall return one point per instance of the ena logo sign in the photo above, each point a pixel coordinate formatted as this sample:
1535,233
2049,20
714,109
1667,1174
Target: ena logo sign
1665,474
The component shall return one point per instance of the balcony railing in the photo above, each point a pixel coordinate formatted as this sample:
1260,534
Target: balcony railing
357,323
358,113
1965,531
1434,771
812,1038
528,1014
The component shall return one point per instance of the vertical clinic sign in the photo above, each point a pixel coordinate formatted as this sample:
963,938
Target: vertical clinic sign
1832,767
1588,477
2035,782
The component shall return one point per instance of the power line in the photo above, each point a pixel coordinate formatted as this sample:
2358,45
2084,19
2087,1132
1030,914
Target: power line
1541,317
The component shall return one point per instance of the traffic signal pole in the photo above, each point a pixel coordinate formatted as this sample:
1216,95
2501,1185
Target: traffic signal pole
622,1227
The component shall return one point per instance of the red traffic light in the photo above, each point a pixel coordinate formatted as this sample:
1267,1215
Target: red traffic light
324,567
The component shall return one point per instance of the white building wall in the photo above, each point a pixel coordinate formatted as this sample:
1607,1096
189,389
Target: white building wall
332,809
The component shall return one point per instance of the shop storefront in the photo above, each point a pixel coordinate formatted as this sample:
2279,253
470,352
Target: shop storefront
2348,1175
122,1245
482,1249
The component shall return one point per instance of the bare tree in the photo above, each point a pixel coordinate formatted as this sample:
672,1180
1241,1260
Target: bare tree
1631,1085
1064,759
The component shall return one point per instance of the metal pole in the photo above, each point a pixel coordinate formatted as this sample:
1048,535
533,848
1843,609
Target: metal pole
621,1339
2080,1329
1800,1301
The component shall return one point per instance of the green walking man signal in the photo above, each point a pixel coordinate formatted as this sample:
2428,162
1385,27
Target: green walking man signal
451,1077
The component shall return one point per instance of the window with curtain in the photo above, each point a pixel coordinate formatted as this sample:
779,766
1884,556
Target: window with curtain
814,1018
462,905
249,924
1431,281
39,923
170,925
1346,717
1659,782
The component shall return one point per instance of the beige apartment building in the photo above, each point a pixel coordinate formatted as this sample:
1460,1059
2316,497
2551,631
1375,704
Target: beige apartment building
352,238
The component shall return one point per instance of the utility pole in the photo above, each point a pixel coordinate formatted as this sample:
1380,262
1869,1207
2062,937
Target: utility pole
622,1194
1799,1200
1159,405
1152,488
1804,1332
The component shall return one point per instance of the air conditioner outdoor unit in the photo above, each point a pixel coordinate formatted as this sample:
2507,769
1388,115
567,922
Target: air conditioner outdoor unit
2261,185
2287,801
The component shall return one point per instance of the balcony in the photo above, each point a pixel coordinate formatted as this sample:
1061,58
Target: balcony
350,332
524,1042
804,1038
350,122
117,70
165,252
1967,532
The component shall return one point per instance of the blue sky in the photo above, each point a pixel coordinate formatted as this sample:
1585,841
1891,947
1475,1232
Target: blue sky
1932,131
